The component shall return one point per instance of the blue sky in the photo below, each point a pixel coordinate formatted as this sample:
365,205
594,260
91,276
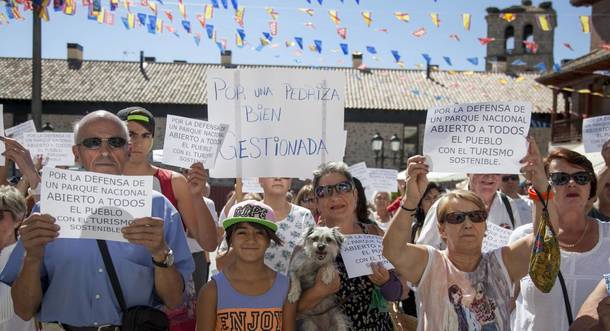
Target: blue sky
114,42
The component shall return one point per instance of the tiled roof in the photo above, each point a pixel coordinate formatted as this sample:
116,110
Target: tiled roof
185,83
598,59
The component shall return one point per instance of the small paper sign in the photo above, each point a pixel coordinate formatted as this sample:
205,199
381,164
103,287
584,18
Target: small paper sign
93,205
189,140
56,147
18,131
360,171
595,133
359,251
495,237
383,180
251,185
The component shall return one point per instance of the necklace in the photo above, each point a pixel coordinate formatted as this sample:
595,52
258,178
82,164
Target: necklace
582,236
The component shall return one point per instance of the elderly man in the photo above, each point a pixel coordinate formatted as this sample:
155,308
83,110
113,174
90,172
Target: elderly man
65,281
501,210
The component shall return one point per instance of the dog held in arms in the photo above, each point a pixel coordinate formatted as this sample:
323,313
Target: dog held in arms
320,248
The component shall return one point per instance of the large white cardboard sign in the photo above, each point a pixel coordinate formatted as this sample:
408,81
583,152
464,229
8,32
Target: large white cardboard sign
18,131
190,140
495,237
595,132
93,205
56,147
479,138
359,251
282,122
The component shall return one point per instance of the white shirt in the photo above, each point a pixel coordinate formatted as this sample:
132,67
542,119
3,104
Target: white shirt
9,321
525,208
497,214
193,244
537,311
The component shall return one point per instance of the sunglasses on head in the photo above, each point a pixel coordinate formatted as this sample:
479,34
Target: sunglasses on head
562,178
510,177
96,143
458,217
327,190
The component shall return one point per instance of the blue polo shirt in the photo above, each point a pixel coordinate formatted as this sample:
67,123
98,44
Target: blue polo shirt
76,287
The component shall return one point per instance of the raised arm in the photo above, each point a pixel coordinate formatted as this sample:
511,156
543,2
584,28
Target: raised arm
594,314
410,260
517,255
603,177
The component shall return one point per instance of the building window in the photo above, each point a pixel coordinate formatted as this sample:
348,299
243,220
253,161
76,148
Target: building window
528,36
509,37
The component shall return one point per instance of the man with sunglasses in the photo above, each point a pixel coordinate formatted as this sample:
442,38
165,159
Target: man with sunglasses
65,282
485,186
510,188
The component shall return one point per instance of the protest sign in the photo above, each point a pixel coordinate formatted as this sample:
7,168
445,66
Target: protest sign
93,205
189,140
383,180
495,237
251,185
2,134
56,147
595,132
360,171
157,155
282,122
359,251
480,138
18,131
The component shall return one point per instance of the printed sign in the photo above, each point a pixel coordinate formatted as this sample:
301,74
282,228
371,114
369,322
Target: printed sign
360,171
93,205
595,133
359,251
189,140
495,237
282,123
251,185
477,137
18,131
383,180
56,147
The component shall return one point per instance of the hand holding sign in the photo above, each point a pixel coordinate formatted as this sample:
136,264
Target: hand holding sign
36,231
533,167
197,178
380,274
148,232
417,169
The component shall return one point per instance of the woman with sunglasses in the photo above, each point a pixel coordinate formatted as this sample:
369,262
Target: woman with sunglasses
584,243
338,204
485,280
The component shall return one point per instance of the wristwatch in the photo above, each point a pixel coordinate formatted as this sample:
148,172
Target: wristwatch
167,262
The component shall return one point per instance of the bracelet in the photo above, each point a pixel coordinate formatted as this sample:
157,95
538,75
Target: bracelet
402,206
544,195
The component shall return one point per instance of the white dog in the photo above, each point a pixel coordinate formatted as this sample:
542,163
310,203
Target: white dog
320,248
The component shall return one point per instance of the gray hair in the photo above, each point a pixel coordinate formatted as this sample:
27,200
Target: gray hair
12,200
331,168
98,114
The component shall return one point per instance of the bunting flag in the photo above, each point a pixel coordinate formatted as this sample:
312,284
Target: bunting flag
159,25
426,57
169,15
556,67
123,19
144,3
299,41
272,13
58,5
197,38
382,30
419,32
152,24
396,55
289,43
307,11
585,24
318,44
142,19
541,67
568,46
209,28
310,25
342,32
127,4
264,41
131,20
454,37
181,9
368,18
153,7
171,29
404,17
466,18
268,36
114,4
543,22
508,17
447,60
485,41
239,16
215,4
109,18
320,2
473,60
201,20
100,16
334,17
96,7
273,28
209,12
371,49
240,36
70,7
225,5
344,49
518,62
435,19
186,25
531,46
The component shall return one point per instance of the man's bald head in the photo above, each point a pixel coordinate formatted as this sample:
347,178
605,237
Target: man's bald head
96,116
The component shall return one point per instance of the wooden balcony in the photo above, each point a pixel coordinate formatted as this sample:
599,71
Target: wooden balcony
566,130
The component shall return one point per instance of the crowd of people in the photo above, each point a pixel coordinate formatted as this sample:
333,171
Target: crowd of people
442,278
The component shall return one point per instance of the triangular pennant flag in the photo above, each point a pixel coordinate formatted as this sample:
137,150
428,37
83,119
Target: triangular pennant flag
153,7
541,67
215,4
466,18
299,41
310,25
108,18
210,30
142,19
186,25
114,4
127,4
131,20
402,16
273,28
152,24
264,41
371,49
518,62
454,37
318,44
419,32
144,3
201,20
159,25
508,17
225,5
367,16
448,60
473,60
100,16
342,32
334,17
544,23
568,46
182,9
272,13
209,12
435,19
344,48
426,57
485,41
320,2
531,46
197,39
169,15
585,24
70,7
307,11
234,4
268,36
58,5
240,36
125,21
556,67
396,55
239,16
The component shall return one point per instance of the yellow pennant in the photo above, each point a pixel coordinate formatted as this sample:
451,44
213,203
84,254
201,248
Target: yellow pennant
153,7
209,12
239,15
100,16
435,19
307,11
544,23
334,16
508,17
466,18
585,24
131,20
182,9
367,16
272,13
159,25
402,16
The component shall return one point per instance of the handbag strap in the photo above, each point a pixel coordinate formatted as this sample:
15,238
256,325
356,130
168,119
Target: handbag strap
566,300
114,280
509,208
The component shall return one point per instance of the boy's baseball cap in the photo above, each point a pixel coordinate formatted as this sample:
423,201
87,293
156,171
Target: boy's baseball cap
251,211
139,115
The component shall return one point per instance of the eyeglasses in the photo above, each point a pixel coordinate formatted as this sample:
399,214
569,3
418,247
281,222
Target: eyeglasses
510,177
96,143
562,178
476,216
327,190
